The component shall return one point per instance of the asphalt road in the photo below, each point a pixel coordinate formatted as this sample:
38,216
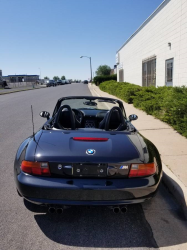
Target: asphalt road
157,223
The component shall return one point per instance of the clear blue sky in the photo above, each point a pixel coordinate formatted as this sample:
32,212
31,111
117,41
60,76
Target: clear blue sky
53,34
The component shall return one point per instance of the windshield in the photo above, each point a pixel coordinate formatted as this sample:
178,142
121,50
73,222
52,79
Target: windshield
83,103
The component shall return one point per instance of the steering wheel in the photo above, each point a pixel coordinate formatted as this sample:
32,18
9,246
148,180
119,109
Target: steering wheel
122,124
78,115
71,114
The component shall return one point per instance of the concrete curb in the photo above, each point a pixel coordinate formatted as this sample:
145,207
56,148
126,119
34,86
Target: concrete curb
20,90
174,185
93,91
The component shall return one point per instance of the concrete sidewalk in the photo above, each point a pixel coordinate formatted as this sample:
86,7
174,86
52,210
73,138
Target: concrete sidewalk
171,145
18,89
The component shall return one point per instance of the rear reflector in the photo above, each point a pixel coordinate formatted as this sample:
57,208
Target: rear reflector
140,170
89,139
35,168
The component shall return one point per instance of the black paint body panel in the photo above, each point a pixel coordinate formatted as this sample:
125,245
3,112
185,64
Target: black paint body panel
65,187
86,191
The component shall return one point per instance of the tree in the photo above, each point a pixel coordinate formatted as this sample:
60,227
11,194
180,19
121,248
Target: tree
55,78
63,78
103,70
46,78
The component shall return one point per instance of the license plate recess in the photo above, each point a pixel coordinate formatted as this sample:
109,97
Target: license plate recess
86,169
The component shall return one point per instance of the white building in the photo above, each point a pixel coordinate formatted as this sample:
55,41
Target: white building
156,54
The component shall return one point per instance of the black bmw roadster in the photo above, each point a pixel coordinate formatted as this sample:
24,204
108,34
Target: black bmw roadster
87,153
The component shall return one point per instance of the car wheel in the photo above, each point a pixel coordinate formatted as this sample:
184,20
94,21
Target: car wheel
19,193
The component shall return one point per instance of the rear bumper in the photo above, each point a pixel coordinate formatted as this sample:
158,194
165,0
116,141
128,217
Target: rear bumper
43,190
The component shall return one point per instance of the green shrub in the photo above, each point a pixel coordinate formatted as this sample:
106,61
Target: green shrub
99,79
174,107
123,90
168,104
149,99
129,92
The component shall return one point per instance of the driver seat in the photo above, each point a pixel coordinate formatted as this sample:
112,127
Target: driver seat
66,118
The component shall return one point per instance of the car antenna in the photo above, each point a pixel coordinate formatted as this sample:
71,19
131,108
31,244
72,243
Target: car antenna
32,122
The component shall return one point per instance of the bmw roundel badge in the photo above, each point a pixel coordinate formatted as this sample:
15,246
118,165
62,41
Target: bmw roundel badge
90,151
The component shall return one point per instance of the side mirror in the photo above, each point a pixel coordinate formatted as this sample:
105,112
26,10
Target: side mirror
133,117
45,114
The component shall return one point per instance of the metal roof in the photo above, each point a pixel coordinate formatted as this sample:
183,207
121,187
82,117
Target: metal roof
21,75
160,7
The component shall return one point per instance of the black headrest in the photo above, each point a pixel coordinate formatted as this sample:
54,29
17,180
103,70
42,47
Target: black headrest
65,119
115,116
115,120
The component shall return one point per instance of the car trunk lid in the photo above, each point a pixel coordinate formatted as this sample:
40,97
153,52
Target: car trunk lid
109,149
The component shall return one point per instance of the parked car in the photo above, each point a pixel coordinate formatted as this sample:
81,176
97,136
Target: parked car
3,83
48,84
59,82
67,81
39,82
51,83
87,153
85,82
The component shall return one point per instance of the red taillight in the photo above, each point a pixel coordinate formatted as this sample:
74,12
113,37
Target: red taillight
35,168
89,139
140,170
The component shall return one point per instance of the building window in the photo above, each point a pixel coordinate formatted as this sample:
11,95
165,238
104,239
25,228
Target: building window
121,78
149,72
12,79
169,72
20,79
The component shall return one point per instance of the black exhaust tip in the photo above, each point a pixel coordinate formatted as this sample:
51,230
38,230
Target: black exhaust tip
116,210
123,210
59,210
51,210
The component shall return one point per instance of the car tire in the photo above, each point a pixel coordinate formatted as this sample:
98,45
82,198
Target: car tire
19,193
